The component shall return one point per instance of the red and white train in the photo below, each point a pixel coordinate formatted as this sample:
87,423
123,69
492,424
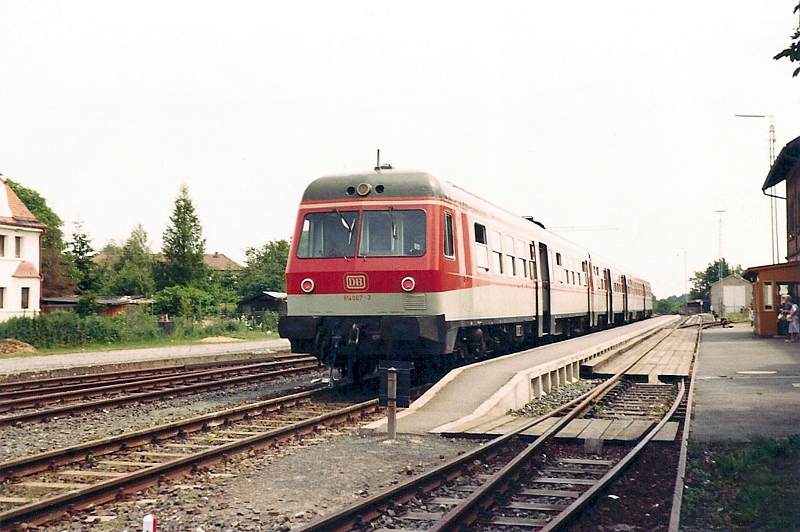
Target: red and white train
403,265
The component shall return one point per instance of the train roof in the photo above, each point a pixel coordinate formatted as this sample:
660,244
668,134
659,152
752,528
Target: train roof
392,183
395,183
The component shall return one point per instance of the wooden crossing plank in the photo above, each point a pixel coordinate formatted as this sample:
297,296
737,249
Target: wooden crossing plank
575,427
595,429
634,431
668,432
538,429
499,426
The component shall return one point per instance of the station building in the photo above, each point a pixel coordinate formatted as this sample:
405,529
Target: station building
773,280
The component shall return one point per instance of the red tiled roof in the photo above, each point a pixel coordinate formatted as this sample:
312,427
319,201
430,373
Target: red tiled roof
20,215
218,261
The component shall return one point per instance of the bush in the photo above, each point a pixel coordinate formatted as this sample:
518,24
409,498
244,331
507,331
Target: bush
63,329
184,301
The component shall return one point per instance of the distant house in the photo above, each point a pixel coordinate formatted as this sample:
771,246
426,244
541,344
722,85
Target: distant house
20,266
736,295
218,261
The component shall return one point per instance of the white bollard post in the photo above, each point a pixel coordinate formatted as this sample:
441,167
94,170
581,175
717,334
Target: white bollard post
149,523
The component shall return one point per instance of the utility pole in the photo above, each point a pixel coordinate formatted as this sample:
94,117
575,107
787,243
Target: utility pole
721,288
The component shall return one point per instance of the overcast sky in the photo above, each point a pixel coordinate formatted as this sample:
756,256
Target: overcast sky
611,122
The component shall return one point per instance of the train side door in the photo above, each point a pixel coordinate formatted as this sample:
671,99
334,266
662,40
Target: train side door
624,298
544,264
609,297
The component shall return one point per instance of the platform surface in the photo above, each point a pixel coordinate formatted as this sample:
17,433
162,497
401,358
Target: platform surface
745,385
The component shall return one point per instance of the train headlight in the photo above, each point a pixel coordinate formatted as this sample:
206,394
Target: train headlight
307,285
363,189
408,284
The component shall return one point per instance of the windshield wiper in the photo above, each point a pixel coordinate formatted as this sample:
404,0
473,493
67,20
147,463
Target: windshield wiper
394,227
348,226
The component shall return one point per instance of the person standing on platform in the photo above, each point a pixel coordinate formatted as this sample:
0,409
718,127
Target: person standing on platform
794,321
783,315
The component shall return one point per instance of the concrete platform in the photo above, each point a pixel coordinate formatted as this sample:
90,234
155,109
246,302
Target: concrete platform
471,395
745,386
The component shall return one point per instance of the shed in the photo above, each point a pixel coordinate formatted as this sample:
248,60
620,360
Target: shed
107,306
770,282
736,295
263,301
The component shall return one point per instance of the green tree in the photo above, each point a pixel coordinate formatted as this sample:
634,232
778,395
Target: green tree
186,301
128,270
265,268
82,257
183,246
56,279
793,51
702,281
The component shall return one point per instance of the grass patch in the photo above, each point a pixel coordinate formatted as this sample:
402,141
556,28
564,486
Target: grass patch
165,341
743,487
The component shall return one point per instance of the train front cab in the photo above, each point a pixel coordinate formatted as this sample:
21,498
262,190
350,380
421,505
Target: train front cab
384,289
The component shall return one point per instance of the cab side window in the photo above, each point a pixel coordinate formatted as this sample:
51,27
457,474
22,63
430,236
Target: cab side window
449,242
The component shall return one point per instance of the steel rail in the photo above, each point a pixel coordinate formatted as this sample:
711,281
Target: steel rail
677,496
35,463
134,398
467,510
21,387
46,510
34,398
603,482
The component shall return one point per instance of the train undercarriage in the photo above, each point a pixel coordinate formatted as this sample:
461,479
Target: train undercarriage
352,347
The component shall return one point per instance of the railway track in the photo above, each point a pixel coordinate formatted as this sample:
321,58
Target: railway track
52,398
509,484
39,488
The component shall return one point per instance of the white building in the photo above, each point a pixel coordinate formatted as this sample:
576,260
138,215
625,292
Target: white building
736,295
20,265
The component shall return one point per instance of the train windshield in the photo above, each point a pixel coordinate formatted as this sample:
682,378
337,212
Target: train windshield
328,234
392,233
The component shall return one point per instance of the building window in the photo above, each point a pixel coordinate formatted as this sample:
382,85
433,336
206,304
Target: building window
768,296
18,246
26,293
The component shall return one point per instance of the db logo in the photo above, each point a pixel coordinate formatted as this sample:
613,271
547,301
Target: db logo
355,281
